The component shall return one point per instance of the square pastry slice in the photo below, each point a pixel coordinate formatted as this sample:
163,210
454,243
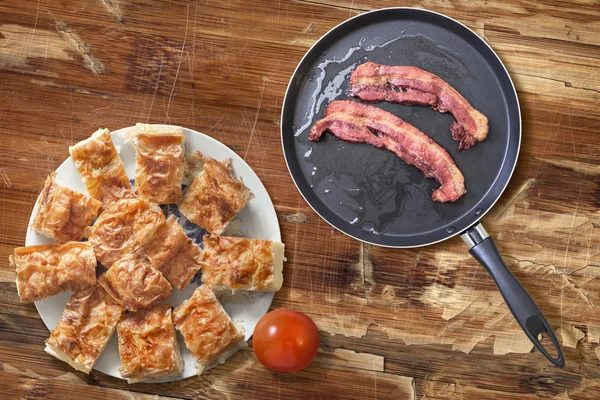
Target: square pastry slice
181,268
215,196
209,334
134,283
84,328
46,270
62,213
167,242
236,263
174,254
160,162
101,169
148,346
124,228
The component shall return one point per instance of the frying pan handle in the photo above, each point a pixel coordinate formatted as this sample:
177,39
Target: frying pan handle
519,302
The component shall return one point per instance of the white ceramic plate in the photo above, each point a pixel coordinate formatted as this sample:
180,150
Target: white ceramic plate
258,220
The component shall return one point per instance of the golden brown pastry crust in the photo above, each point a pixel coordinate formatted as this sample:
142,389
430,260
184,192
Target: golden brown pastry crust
134,283
148,346
124,228
62,213
242,264
160,162
84,328
181,268
167,242
207,330
46,270
101,169
215,196
174,254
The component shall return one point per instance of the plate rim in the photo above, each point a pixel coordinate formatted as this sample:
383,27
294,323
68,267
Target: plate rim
269,209
518,114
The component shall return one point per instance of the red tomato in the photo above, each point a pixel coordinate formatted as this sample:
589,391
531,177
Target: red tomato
285,340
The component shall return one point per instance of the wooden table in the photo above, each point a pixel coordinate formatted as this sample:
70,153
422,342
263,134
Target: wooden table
395,324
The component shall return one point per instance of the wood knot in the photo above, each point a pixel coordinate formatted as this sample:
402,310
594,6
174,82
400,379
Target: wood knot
297,218
388,292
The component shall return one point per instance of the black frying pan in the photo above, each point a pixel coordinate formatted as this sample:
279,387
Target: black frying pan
371,194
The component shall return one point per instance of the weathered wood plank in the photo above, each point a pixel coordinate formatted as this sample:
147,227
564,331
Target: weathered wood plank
30,386
389,319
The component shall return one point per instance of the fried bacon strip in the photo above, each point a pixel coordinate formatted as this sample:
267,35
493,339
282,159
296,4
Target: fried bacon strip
412,85
360,123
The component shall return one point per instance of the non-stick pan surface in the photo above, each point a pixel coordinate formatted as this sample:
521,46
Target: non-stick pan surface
368,193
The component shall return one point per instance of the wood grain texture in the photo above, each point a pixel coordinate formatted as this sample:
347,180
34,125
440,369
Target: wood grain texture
395,324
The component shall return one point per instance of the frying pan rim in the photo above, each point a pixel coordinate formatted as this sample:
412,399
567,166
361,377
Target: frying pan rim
449,235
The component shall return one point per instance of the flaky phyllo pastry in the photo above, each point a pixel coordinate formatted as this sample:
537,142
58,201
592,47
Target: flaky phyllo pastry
62,213
84,328
101,169
209,334
46,270
160,162
174,254
134,283
124,228
215,196
145,255
148,346
235,263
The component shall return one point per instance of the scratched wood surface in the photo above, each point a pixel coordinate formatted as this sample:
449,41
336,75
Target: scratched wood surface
395,324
